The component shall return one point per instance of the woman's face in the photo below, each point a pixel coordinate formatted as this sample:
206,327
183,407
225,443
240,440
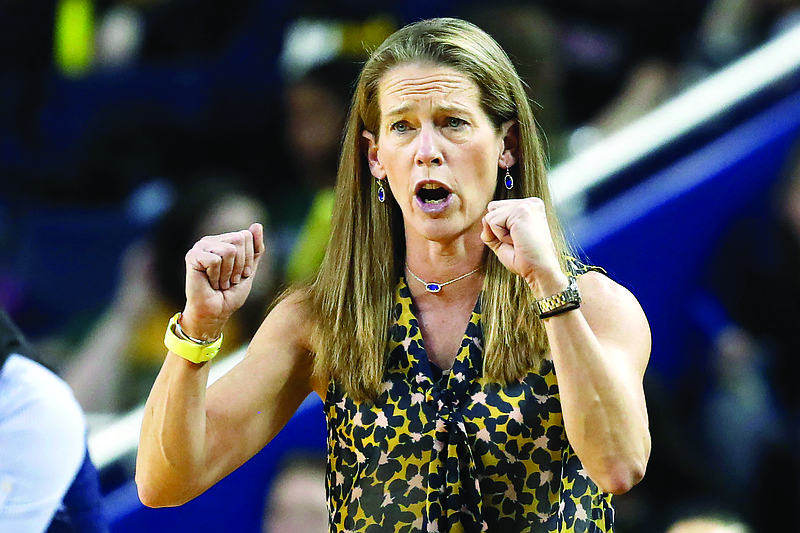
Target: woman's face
437,148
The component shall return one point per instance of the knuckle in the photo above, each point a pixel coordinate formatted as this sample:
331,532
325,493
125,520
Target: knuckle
535,206
237,238
535,201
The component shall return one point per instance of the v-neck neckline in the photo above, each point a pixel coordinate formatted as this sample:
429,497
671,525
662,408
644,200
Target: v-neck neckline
467,363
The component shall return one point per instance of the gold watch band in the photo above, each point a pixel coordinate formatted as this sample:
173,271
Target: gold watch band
566,300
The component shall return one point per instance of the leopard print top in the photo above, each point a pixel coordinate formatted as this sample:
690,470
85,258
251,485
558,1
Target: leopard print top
454,455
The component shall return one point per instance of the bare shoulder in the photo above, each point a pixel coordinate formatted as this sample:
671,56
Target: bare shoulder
615,315
287,333
603,294
289,321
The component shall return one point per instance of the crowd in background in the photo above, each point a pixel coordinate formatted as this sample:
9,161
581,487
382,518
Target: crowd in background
123,121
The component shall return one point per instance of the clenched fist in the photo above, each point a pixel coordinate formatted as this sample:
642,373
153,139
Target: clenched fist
517,231
219,275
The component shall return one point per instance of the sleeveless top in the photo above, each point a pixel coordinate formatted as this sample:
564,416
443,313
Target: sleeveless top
455,455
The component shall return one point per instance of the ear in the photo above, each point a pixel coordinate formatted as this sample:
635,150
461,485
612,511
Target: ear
510,135
370,147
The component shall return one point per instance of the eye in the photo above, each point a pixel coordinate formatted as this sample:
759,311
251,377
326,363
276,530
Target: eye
455,122
400,126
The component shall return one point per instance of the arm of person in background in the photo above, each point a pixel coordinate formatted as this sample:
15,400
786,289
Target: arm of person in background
600,350
735,348
191,438
647,85
103,351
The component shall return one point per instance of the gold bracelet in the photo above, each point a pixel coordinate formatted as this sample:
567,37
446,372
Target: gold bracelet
191,349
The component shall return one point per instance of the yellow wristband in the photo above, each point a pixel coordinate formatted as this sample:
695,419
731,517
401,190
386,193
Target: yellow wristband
190,350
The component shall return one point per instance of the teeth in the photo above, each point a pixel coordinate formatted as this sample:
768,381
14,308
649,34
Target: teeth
426,195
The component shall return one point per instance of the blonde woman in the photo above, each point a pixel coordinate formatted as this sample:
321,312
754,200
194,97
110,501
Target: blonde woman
474,378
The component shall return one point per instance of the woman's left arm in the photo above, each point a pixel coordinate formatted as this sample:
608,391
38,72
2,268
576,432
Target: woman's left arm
600,350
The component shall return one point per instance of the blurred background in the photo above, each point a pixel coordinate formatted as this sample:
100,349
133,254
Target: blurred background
130,128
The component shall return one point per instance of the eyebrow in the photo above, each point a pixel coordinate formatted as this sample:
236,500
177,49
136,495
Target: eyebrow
447,108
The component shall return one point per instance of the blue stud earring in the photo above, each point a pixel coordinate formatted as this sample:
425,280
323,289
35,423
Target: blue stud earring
381,192
509,180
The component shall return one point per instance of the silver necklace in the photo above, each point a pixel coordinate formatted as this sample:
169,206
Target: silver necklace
436,287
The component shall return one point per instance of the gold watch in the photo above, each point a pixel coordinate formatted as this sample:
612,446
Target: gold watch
566,300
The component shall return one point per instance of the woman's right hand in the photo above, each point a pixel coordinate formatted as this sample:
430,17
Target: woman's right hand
219,275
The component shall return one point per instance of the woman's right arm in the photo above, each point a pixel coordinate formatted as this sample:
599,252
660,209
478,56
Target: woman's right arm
192,437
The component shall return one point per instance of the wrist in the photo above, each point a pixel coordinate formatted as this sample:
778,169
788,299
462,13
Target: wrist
200,328
193,350
560,302
549,284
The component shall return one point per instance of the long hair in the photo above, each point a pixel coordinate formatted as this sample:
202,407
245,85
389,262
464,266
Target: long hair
351,300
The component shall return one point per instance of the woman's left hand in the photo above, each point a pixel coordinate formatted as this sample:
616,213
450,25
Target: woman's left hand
518,233
599,351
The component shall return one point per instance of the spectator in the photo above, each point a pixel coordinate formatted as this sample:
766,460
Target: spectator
709,522
630,53
126,344
316,109
47,481
731,28
296,499
749,312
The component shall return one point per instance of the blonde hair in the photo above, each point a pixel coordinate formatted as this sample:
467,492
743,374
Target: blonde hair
351,300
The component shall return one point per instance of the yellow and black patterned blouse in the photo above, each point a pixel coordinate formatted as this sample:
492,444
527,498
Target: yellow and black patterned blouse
451,455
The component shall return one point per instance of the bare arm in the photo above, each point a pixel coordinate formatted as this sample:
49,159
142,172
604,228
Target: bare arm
191,438
600,351
104,350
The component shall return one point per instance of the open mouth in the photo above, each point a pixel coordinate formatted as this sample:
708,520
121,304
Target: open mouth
432,193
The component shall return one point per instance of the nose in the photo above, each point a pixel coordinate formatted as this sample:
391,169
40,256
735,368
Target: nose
428,150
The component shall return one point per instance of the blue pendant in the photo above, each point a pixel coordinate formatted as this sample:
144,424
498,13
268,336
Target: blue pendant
381,194
509,181
433,287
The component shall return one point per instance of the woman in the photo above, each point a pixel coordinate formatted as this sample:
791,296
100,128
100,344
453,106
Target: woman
442,179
